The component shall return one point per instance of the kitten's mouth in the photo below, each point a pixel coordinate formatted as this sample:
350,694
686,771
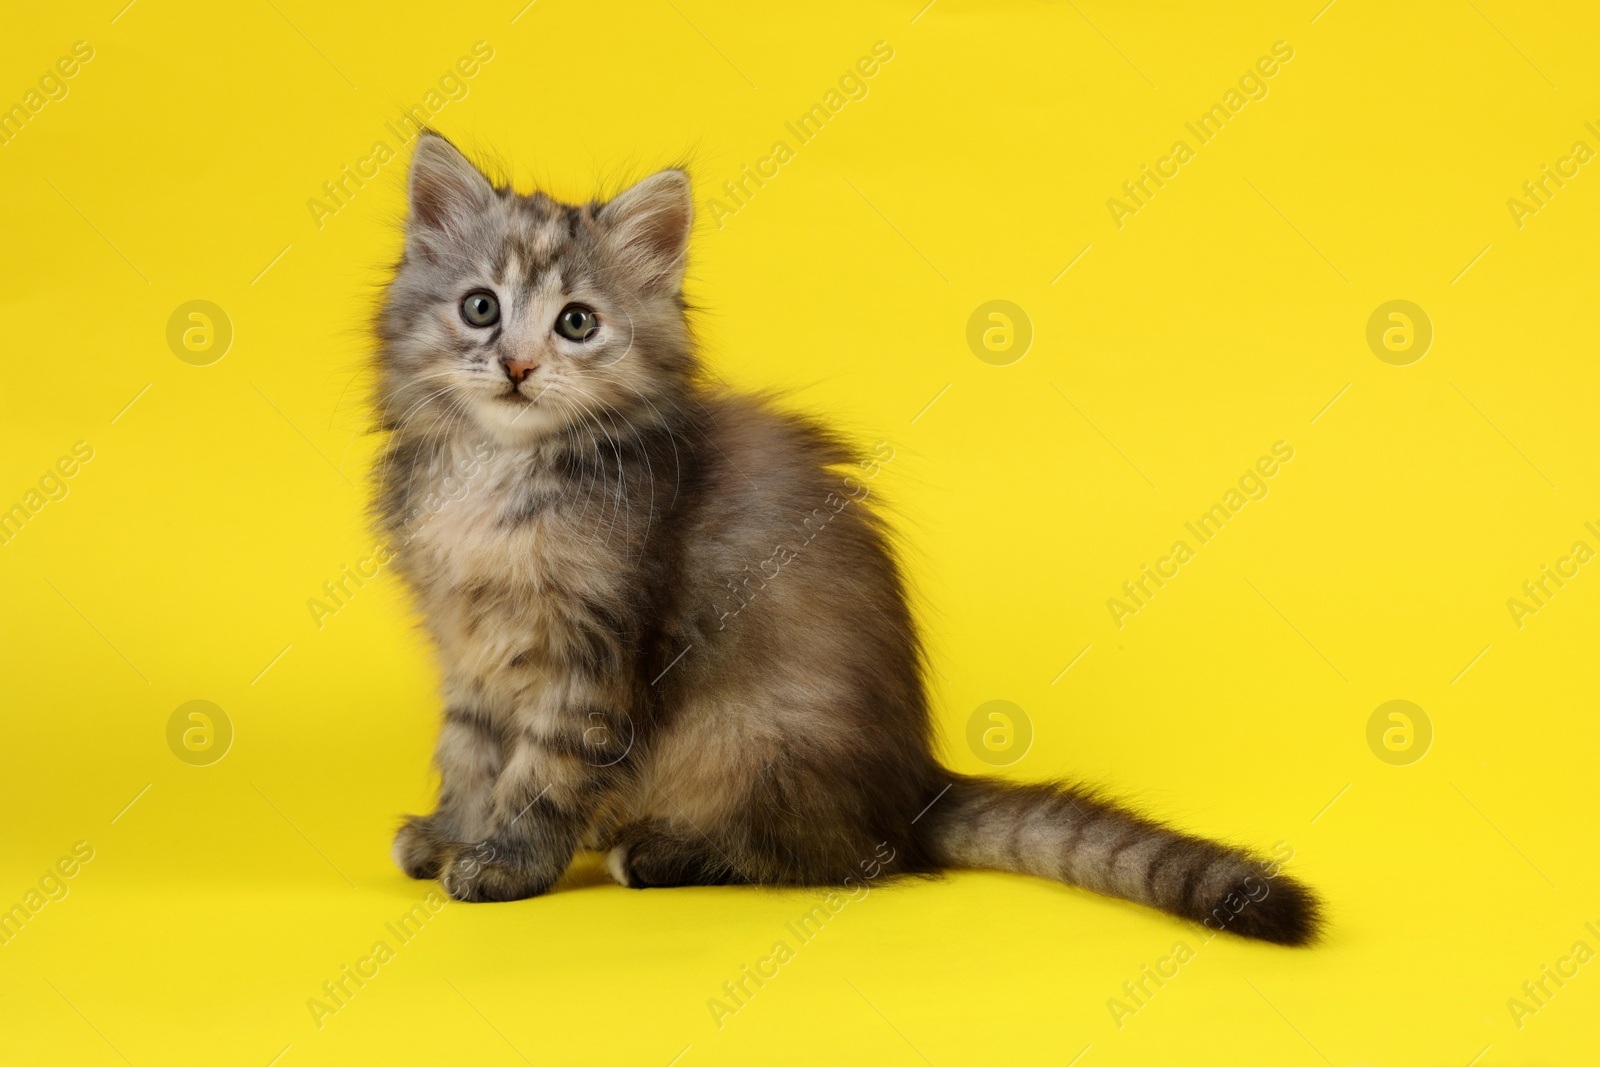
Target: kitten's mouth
514,396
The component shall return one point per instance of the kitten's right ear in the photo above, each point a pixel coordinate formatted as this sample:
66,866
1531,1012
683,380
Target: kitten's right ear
446,189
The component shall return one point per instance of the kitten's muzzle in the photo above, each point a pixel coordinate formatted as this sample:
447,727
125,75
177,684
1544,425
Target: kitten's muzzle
518,369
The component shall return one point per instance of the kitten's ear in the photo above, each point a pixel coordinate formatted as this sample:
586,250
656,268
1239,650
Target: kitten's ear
648,228
446,189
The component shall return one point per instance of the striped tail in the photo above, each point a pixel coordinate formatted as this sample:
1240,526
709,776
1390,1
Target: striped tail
1058,831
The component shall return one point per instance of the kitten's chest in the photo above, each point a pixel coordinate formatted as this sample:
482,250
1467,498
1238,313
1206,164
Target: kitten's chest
493,523
517,534
510,570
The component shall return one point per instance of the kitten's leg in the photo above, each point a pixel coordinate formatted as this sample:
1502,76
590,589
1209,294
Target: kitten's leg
560,765
653,855
468,757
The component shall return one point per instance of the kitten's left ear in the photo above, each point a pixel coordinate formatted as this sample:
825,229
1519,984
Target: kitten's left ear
446,190
648,228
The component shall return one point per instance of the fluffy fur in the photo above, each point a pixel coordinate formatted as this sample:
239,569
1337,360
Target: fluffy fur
669,621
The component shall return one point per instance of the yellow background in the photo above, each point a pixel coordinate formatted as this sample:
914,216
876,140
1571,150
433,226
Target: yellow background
1223,317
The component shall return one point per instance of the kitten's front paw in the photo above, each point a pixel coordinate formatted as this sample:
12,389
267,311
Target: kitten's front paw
477,874
419,849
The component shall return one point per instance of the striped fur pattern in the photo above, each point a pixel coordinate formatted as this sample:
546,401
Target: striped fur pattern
669,622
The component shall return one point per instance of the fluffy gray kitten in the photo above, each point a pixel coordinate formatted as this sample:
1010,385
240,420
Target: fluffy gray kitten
671,628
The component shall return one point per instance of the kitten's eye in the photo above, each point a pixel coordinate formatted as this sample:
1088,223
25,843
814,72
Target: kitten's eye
480,309
577,323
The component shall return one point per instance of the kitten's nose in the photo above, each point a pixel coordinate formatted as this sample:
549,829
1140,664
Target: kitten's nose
518,369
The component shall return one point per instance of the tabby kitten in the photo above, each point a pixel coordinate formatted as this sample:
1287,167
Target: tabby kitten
670,629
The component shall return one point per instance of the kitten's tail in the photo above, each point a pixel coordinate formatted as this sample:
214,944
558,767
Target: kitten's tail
1058,831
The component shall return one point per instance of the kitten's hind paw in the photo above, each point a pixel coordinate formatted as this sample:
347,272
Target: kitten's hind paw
617,867
419,849
661,858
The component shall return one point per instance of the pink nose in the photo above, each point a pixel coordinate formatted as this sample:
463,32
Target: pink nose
518,369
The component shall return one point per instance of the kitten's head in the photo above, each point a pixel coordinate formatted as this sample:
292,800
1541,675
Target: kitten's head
529,316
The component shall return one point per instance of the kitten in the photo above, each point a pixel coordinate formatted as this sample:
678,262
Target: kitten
669,625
